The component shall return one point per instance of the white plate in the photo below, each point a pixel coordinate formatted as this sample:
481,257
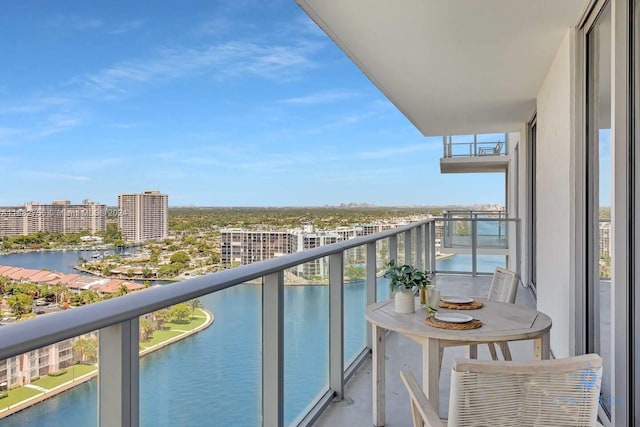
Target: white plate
453,317
457,300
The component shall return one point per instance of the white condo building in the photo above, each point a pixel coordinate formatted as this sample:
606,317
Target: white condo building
143,216
61,216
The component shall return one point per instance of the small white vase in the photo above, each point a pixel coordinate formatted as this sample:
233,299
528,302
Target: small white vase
433,296
405,301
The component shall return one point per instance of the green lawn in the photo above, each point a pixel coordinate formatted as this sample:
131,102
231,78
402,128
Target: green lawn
193,323
22,393
18,395
158,337
73,372
167,333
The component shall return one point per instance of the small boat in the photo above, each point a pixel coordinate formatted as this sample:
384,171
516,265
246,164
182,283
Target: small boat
95,255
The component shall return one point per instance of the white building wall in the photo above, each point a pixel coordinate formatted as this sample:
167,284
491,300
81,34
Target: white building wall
554,198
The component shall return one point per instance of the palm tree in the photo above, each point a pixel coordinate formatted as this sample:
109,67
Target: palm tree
88,296
146,329
60,291
194,303
123,290
162,316
20,304
4,282
87,349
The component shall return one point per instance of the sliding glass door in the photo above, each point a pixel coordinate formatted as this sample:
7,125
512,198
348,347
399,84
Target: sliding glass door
635,225
598,195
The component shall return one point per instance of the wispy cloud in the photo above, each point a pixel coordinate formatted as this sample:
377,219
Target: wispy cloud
127,27
212,27
36,105
6,134
230,59
326,97
127,125
54,175
75,23
55,123
97,164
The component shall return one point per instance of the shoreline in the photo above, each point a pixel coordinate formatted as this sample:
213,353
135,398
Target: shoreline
84,248
125,277
210,319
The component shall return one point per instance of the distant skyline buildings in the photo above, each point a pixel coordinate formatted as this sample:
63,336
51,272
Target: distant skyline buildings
140,217
61,216
143,216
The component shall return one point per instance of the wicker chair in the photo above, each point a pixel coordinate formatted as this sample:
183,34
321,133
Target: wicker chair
504,287
549,393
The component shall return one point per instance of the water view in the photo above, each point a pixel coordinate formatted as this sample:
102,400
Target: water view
214,377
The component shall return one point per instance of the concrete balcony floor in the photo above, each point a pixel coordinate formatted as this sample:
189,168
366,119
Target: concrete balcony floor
403,353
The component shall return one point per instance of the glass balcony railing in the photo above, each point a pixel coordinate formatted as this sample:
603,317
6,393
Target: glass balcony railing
281,338
474,145
286,335
476,242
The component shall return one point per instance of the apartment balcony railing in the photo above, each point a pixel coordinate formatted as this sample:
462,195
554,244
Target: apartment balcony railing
488,239
474,148
117,321
460,155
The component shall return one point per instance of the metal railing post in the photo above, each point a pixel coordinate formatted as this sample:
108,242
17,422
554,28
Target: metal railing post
419,251
408,259
372,283
273,349
474,248
432,227
427,247
393,247
518,248
336,324
118,375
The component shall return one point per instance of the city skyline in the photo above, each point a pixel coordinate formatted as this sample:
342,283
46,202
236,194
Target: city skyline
243,104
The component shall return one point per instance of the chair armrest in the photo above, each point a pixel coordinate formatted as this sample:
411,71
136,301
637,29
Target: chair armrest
419,401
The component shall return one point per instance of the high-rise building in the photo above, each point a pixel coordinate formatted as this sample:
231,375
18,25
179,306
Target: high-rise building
144,216
242,247
59,217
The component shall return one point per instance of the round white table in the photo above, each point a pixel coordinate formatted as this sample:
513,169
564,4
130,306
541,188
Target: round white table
501,322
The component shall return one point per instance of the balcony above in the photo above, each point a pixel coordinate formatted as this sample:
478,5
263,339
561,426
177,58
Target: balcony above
473,156
483,164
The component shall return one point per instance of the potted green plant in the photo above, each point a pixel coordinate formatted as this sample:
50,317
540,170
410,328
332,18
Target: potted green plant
402,280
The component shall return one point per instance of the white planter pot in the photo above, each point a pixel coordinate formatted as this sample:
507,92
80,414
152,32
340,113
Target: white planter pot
405,302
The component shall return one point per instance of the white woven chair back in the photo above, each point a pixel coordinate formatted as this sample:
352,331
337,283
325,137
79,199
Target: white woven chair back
504,286
562,392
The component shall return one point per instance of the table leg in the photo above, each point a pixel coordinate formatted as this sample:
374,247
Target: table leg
377,374
542,347
471,351
431,371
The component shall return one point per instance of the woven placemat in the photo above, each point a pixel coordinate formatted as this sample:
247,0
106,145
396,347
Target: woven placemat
455,306
432,321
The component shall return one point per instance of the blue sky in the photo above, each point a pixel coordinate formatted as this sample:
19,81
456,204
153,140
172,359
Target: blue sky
225,103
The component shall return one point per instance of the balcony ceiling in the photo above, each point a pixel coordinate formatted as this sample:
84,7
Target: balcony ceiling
452,66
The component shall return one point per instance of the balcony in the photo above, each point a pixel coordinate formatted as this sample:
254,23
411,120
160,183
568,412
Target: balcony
467,154
267,368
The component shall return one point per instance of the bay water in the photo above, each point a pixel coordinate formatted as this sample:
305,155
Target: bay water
213,378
